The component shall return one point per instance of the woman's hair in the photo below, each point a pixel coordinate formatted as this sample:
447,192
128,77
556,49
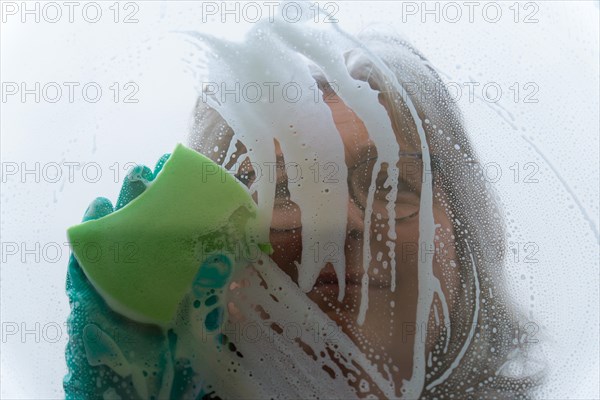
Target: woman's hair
488,346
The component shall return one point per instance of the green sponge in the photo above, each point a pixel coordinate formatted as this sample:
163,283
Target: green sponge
144,257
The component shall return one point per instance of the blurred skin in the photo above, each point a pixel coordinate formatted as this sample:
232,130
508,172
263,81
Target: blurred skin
388,330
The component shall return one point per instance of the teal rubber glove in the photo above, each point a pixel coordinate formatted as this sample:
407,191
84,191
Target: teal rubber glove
110,356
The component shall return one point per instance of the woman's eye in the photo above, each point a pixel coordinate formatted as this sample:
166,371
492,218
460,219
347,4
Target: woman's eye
407,209
408,187
407,199
406,204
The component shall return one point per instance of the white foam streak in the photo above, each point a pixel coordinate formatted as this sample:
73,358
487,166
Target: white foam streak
428,284
467,343
305,148
365,103
226,68
293,308
324,217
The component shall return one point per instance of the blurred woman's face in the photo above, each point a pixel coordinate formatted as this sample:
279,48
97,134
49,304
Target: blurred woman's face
388,332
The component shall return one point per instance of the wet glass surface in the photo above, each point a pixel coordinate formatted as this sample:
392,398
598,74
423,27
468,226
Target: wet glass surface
426,176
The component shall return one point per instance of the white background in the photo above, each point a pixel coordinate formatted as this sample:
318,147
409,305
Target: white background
559,134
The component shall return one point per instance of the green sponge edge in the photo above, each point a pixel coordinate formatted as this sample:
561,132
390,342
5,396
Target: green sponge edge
143,258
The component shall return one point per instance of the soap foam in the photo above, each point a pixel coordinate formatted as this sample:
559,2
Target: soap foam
301,46
304,45
271,365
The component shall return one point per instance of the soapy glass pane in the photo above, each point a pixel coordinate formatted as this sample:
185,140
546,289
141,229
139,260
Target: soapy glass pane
357,260
536,150
408,191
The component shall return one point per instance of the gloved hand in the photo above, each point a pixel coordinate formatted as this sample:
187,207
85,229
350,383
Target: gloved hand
110,356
